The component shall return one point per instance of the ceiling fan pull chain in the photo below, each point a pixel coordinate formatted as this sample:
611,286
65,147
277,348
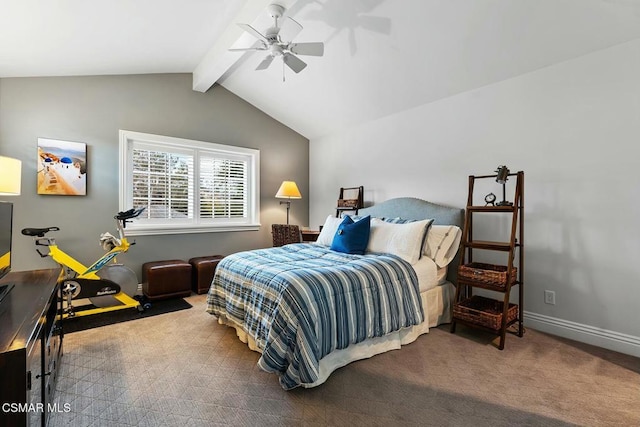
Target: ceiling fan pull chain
283,70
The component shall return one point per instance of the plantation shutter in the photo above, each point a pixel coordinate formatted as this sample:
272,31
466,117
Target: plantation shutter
188,186
223,189
162,180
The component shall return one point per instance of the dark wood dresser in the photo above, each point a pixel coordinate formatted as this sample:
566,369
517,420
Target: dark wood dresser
30,347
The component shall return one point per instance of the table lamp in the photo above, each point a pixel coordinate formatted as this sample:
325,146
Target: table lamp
10,178
288,190
503,176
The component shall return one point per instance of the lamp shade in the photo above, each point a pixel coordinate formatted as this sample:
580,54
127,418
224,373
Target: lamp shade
288,190
10,176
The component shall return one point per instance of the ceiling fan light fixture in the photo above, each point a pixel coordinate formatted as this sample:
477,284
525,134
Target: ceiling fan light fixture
276,50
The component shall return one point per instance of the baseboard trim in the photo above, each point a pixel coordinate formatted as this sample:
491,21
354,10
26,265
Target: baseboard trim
622,343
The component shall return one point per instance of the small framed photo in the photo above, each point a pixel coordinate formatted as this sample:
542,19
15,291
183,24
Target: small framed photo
62,167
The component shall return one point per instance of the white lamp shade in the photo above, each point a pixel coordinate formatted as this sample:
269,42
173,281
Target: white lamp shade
10,176
288,190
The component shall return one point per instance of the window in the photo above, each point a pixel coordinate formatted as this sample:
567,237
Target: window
188,186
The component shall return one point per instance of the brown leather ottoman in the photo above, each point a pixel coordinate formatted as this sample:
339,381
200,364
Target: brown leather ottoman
204,268
166,279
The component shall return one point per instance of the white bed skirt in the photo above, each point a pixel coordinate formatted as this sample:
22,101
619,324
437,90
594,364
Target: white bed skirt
436,302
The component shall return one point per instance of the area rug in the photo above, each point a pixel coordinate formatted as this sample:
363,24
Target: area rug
82,323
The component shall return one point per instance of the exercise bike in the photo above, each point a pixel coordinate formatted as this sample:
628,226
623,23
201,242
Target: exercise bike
108,287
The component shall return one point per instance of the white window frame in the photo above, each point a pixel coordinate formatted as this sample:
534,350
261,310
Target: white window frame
142,226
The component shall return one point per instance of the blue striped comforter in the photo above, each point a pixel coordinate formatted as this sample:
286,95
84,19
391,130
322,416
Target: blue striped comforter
300,302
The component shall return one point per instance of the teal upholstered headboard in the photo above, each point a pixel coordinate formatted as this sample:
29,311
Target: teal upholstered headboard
417,209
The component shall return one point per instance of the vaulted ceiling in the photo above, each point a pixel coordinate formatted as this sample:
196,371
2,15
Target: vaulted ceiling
381,56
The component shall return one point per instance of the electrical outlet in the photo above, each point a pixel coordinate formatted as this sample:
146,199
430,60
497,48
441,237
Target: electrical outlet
550,297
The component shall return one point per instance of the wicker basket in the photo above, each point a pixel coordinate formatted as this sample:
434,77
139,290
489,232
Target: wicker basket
348,203
489,276
484,311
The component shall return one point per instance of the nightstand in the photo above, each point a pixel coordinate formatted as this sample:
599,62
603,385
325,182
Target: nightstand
309,235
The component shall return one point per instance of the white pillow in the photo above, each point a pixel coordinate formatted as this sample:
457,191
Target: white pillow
328,230
442,243
403,240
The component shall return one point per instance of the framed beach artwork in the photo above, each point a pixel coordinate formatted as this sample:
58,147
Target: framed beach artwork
62,167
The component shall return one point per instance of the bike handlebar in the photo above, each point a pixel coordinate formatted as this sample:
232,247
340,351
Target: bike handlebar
131,213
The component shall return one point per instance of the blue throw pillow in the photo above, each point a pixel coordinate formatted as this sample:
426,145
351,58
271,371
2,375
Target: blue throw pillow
352,237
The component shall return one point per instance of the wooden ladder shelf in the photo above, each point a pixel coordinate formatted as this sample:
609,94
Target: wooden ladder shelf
353,203
495,315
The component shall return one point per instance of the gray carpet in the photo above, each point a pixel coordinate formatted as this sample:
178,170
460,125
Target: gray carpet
183,369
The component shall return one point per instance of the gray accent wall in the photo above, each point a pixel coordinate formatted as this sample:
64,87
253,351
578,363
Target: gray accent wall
92,110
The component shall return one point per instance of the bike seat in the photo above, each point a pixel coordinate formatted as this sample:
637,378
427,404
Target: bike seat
39,232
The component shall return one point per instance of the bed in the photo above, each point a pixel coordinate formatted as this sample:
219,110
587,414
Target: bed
310,310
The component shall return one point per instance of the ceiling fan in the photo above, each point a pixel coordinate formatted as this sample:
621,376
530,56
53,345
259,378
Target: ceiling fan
278,42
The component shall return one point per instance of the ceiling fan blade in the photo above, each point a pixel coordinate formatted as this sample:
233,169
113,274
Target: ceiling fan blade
313,49
289,30
293,62
247,49
258,45
249,29
265,63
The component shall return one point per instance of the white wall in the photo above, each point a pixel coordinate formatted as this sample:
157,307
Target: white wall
573,128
